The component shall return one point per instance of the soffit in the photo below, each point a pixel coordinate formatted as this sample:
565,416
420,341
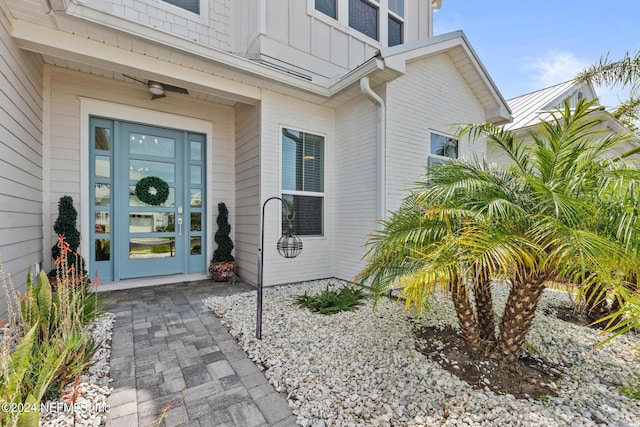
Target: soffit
31,19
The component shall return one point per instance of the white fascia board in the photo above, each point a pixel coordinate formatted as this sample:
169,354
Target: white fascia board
354,76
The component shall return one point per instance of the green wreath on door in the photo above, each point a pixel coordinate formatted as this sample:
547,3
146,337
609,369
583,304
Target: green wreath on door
152,190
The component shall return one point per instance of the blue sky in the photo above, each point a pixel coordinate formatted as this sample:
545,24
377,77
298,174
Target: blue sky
528,45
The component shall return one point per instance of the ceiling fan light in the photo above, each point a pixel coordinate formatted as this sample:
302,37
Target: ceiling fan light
156,88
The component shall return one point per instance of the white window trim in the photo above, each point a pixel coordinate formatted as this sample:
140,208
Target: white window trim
283,192
342,21
447,135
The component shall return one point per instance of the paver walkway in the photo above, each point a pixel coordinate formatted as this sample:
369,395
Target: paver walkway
167,346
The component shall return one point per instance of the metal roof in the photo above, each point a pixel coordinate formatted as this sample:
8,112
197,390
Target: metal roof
530,109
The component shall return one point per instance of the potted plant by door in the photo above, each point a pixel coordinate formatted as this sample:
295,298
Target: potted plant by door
222,262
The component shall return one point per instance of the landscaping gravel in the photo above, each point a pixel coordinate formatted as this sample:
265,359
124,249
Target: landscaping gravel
90,408
362,367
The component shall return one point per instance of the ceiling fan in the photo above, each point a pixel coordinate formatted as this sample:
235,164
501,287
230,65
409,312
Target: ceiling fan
157,89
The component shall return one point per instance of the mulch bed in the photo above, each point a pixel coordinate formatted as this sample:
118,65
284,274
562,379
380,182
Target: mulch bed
528,378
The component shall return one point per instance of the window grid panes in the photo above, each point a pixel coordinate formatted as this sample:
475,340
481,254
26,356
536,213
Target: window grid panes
442,148
368,17
395,32
100,191
196,189
328,7
363,16
303,180
397,7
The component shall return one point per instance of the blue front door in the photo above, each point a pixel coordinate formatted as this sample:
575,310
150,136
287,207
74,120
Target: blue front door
146,227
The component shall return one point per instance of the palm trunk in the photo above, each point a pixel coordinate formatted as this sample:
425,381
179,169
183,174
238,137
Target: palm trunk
484,305
466,317
518,315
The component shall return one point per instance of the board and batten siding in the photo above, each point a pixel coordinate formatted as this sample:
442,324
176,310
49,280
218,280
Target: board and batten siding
316,259
431,97
356,177
300,37
247,198
66,163
21,125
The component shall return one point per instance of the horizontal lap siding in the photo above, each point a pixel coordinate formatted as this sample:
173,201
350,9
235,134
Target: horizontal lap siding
20,160
316,259
431,96
66,89
356,177
247,178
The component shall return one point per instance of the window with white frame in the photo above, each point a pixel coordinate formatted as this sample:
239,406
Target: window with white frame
328,7
189,5
443,148
303,180
381,20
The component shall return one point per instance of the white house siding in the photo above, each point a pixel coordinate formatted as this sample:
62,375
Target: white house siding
20,160
247,200
355,184
431,96
66,170
316,259
298,37
212,28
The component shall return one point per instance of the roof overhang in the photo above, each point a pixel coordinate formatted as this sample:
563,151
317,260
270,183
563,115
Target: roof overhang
227,75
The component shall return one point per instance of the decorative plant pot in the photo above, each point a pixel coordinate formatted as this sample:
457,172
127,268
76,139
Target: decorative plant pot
219,271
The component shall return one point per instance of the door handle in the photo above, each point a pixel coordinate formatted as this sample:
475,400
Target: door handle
179,226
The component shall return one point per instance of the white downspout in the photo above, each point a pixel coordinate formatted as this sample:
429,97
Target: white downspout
381,146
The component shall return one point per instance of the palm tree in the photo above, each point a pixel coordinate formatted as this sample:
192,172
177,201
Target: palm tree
624,72
536,221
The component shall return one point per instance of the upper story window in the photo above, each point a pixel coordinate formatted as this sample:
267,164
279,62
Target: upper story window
381,20
328,7
363,16
303,180
443,148
189,5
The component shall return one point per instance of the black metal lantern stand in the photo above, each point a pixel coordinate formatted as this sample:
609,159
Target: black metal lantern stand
289,246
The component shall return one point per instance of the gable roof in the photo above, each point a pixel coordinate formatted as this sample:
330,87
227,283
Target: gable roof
457,46
530,109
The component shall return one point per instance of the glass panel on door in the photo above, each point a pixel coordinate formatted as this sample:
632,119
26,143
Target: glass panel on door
131,237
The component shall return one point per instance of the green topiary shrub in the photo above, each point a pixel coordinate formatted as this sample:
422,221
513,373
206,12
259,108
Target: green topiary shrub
225,245
65,225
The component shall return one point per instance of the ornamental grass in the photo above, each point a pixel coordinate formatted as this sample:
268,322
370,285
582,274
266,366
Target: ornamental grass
46,341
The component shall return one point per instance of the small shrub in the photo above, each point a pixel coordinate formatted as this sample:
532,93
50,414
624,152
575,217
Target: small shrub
630,391
332,300
46,343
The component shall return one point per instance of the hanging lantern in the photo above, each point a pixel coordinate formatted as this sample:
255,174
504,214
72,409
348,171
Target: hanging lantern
289,245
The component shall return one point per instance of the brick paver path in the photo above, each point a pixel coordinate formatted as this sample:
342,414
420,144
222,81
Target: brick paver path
167,346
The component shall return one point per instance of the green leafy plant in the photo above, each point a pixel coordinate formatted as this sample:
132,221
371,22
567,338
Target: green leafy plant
631,391
332,300
46,343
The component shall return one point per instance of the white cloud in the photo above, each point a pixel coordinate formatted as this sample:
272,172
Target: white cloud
553,68
557,67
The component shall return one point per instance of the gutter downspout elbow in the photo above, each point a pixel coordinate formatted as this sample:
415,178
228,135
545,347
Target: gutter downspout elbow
381,145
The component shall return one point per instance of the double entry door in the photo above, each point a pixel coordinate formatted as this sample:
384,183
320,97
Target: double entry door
148,209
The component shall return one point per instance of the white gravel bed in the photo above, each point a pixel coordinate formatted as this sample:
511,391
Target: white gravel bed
91,406
361,368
